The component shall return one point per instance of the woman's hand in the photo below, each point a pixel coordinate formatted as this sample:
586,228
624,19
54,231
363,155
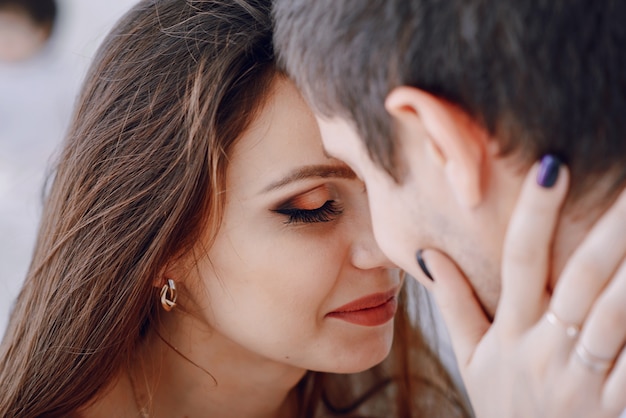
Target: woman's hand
559,355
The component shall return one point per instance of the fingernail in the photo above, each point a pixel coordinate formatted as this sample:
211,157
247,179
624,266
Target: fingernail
548,171
422,264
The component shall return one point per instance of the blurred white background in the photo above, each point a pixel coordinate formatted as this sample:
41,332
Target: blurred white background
36,100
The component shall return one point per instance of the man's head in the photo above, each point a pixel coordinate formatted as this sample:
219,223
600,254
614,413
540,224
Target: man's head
440,105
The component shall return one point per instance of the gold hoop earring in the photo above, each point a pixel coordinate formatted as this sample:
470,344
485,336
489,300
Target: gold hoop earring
169,295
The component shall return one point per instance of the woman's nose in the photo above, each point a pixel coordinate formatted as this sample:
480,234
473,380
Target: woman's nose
366,254
370,256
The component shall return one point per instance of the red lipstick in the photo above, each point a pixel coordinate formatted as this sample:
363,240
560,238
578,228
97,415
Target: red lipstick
372,310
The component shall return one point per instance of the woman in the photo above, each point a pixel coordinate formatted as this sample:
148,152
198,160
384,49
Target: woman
199,255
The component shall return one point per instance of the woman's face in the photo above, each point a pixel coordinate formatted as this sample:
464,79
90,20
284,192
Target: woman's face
294,275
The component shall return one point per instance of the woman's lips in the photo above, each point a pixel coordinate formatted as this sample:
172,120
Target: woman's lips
372,310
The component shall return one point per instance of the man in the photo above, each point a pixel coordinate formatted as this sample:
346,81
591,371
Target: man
442,106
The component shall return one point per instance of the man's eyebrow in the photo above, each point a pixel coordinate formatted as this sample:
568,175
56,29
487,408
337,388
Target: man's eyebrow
313,171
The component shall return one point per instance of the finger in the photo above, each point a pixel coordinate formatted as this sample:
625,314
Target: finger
527,250
596,358
604,331
602,341
613,398
461,310
592,265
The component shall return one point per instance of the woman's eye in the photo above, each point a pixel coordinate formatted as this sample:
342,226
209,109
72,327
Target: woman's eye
325,213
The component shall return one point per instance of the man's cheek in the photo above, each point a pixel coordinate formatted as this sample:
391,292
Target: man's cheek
386,233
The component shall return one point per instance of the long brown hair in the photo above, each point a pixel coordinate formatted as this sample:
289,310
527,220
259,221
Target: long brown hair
141,178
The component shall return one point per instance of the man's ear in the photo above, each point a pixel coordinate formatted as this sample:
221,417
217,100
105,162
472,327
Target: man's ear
453,140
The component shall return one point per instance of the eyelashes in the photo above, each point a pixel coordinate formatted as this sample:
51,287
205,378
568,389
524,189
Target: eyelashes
325,213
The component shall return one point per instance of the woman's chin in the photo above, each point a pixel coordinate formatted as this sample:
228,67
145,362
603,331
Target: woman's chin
356,359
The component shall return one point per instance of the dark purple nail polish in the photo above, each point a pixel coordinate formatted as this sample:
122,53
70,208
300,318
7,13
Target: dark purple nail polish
422,264
548,171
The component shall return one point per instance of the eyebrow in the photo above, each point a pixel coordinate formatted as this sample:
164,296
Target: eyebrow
313,171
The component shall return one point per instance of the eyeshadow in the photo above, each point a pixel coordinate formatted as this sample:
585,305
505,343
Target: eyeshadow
310,200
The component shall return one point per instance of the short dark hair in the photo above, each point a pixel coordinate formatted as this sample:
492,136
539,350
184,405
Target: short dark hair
541,76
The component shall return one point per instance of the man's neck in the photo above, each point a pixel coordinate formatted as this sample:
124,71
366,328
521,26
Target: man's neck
492,222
